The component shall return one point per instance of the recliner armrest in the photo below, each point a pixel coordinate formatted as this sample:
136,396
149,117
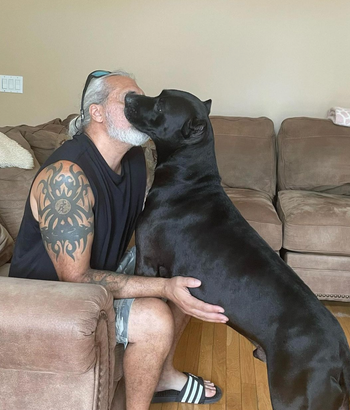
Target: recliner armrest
53,326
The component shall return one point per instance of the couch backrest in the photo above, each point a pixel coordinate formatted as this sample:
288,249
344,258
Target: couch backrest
14,187
40,141
314,155
246,152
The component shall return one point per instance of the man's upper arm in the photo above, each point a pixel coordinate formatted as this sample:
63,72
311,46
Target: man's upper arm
62,202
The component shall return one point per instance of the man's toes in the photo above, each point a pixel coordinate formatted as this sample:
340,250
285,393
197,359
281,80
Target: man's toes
210,389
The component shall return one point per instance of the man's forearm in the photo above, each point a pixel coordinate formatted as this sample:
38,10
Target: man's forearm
124,286
176,289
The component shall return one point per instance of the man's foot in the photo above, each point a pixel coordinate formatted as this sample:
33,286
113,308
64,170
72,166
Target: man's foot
185,387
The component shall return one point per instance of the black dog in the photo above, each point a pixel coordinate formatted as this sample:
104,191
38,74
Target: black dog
190,227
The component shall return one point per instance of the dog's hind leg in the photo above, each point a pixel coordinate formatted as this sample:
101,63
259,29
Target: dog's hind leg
259,353
310,390
328,394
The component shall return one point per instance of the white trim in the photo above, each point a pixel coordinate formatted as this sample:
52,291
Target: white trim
194,391
188,389
199,395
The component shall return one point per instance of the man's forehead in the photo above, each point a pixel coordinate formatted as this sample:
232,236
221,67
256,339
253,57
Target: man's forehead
122,83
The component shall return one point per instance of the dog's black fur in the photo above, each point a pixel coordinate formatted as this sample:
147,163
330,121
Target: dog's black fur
190,227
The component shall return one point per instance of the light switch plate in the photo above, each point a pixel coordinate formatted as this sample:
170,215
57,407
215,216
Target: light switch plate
11,84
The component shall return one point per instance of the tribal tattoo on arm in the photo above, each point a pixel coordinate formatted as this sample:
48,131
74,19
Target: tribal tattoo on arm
65,210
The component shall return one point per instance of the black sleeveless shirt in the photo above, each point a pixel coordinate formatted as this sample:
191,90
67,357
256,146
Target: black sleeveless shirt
118,202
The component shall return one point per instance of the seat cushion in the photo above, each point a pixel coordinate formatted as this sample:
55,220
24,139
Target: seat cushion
328,276
256,207
315,222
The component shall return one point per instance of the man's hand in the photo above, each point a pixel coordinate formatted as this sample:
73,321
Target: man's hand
176,290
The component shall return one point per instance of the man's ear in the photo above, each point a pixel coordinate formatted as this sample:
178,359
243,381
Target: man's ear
95,111
207,105
194,129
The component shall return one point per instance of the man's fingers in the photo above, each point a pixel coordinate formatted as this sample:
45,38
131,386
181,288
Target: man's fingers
210,317
206,311
191,282
207,307
191,305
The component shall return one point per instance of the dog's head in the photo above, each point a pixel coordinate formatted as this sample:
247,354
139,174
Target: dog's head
174,119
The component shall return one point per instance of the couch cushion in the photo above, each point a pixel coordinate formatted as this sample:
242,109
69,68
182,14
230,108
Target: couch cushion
43,138
6,245
256,207
313,155
245,152
327,275
44,143
5,269
40,141
14,188
315,222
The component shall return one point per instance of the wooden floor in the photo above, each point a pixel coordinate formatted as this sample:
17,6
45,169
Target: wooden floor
218,353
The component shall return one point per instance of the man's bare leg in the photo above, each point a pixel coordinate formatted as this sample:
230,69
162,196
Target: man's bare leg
171,378
151,334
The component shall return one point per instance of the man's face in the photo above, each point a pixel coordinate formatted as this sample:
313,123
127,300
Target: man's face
118,127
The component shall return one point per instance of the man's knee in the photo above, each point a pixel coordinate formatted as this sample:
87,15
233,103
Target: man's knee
150,318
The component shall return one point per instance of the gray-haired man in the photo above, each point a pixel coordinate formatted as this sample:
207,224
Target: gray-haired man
78,221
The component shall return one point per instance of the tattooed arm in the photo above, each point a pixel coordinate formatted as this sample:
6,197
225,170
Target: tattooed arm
62,201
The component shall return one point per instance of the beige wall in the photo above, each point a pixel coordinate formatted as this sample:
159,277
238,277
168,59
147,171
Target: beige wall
277,58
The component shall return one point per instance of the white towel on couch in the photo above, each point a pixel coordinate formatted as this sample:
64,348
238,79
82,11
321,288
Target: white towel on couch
340,116
14,155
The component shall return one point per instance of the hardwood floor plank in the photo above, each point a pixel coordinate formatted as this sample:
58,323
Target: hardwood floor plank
192,353
205,364
233,371
262,387
219,364
156,406
249,397
247,364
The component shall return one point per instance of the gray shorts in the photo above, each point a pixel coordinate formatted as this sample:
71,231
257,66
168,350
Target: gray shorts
122,307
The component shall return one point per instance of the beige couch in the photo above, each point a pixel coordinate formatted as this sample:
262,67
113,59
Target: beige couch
314,203
313,192
62,334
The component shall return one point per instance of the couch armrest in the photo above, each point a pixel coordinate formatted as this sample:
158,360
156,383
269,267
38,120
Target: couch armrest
54,326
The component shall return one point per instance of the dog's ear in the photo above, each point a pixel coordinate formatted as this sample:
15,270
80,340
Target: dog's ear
194,129
207,105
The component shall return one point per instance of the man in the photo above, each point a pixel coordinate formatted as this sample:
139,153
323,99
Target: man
78,220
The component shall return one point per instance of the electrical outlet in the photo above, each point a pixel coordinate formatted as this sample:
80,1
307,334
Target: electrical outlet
11,84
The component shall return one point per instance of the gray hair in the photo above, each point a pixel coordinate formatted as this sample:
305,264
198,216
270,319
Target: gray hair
96,93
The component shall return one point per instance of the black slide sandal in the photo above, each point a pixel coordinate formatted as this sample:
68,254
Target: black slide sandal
192,392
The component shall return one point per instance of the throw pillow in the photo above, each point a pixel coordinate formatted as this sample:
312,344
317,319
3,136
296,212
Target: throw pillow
13,155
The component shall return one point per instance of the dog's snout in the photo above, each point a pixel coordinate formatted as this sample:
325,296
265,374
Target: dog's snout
129,97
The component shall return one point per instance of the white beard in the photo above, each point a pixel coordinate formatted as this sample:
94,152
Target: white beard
130,136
